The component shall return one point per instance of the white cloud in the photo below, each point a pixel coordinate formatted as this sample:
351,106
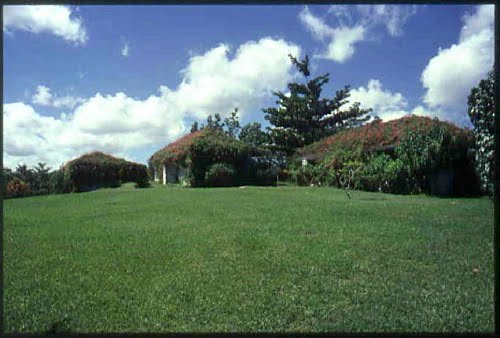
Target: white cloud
55,19
390,16
341,48
392,105
385,104
125,49
450,75
212,83
341,39
67,101
42,96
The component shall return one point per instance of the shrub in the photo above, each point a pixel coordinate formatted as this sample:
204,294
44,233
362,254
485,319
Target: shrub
424,149
220,175
17,188
482,114
212,148
96,170
317,174
382,173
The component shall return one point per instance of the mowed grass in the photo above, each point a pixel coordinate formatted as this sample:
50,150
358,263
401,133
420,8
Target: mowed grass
268,259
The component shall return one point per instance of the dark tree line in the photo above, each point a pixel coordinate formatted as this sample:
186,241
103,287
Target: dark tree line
38,180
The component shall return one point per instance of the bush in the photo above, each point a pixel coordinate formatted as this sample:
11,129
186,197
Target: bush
220,175
317,174
482,114
423,150
215,148
382,173
17,188
96,170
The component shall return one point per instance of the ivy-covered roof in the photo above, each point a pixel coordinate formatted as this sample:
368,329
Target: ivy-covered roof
376,135
178,150
98,157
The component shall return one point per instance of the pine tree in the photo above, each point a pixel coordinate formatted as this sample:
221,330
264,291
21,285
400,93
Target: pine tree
194,127
302,117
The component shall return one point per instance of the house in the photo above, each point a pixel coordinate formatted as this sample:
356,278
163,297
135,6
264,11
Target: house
198,158
457,177
168,165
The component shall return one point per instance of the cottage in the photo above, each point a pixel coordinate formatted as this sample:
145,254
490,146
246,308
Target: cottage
168,165
210,158
457,177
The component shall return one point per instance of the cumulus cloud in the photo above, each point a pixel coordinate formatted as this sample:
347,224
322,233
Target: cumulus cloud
450,75
340,40
42,96
390,105
385,104
213,82
67,101
55,19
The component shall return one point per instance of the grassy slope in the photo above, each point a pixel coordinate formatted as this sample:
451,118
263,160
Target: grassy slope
255,259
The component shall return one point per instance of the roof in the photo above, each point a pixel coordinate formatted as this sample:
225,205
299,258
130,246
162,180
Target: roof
374,136
177,149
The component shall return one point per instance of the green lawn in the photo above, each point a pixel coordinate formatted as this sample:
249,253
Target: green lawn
256,259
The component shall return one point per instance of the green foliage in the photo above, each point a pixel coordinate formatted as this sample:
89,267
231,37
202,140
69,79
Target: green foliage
194,127
220,175
232,124
215,147
384,174
313,174
253,135
482,114
42,184
401,156
303,117
214,123
424,149
262,168
56,179
97,170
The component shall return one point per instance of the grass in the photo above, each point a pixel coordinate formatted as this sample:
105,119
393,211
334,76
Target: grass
255,259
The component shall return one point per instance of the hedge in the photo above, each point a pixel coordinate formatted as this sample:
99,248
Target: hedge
97,170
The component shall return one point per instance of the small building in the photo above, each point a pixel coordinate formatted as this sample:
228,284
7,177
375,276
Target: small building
168,165
191,160
454,178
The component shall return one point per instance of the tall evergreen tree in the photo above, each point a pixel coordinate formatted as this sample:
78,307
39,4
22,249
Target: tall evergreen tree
194,126
302,117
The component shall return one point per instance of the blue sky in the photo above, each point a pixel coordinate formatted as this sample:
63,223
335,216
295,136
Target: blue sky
129,79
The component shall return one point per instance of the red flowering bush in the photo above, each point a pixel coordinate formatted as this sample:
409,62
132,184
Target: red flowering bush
17,188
